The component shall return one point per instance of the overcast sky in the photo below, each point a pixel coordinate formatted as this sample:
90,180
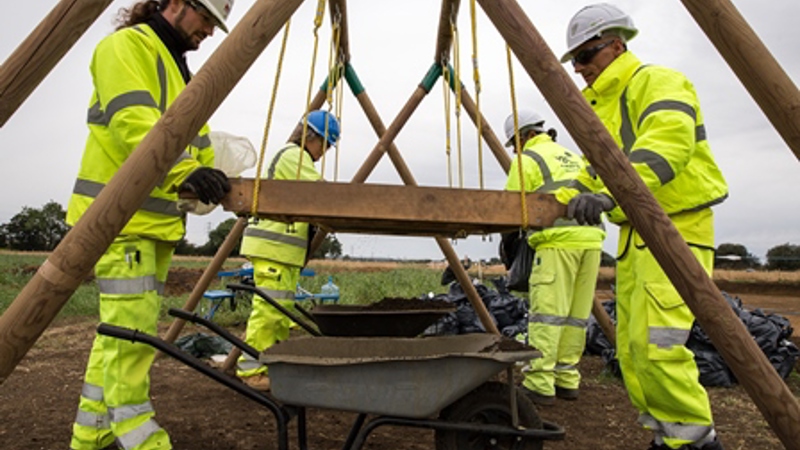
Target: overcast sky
392,45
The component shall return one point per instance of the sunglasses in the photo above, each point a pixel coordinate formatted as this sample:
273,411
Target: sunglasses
203,12
586,55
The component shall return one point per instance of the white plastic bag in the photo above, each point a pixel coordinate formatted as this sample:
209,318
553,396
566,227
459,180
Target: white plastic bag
232,155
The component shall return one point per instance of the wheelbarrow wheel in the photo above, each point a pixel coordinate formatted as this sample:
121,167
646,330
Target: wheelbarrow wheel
488,404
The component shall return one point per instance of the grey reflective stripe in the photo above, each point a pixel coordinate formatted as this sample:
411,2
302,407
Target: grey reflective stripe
548,185
126,412
87,419
138,435
277,237
92,392
684,431
184,156
562,366
657,163
155,205
160,287
279,295
665,337
565,223
162,84
201,141
138,285
668,105
558,320
249,363
575,184
273,166
700,133
626,127
97,116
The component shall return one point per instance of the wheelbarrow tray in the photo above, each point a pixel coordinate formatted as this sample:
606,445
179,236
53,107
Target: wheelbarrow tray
349,321
404,377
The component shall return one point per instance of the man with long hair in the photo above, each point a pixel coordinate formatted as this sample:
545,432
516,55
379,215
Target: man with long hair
137,72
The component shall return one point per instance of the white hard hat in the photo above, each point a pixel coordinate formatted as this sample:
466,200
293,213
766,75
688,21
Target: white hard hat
590,22
526,118
220,9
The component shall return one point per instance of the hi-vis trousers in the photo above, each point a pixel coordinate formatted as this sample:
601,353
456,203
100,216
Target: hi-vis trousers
653,325
562,286
115,402
267,325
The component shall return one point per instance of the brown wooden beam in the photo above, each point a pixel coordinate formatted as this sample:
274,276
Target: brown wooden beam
208,276
776,402
55,281
444,38
752,62
36,56
387,209
339,7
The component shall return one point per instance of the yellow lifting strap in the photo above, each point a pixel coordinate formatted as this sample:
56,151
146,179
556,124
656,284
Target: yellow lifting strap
317,23
517,144
334,99
477,77
457,86
446,86
271,109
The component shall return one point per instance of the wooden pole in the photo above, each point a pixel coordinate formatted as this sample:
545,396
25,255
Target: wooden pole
36,56
208,275
494,144
55,281
776,402
339,7
444,39
604,320
753,63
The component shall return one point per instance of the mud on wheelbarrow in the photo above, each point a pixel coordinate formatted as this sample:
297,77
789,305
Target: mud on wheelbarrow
402,381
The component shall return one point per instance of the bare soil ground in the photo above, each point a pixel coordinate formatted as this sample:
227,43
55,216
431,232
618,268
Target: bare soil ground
39,399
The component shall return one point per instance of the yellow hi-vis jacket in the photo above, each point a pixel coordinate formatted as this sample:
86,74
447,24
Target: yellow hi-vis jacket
547,166
135,80
277,241
654,116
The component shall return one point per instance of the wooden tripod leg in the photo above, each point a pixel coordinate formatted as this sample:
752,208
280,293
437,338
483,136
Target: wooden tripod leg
36,56
208,275
604,320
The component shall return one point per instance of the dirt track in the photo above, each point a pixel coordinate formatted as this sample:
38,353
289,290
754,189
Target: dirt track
38,402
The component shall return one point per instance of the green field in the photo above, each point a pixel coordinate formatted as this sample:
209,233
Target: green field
358,284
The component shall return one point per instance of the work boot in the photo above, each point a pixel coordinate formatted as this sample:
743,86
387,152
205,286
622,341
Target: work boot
537,398
259,382
566,393
713,445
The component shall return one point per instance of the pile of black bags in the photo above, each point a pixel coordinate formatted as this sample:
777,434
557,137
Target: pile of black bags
509,312
770,331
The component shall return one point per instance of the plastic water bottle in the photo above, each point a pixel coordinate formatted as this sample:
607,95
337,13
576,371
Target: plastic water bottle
329,291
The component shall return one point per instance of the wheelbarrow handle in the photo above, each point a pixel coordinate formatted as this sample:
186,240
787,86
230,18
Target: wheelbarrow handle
175,352
278,306
197,320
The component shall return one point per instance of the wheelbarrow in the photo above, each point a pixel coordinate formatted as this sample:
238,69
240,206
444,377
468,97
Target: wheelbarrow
437,383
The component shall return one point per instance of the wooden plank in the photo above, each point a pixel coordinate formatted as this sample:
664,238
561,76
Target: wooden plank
388,209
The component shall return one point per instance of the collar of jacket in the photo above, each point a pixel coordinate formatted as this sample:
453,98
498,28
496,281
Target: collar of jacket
174,42
540,138
614,79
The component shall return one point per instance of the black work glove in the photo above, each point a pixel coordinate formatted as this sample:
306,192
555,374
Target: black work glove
587,208
210,185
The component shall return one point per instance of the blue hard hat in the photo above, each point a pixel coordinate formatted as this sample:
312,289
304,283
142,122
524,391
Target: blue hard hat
317,120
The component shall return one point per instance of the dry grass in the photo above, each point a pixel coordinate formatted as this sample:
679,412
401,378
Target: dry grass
758,276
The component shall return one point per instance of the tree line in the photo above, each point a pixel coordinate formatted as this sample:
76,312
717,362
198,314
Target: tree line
41,229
